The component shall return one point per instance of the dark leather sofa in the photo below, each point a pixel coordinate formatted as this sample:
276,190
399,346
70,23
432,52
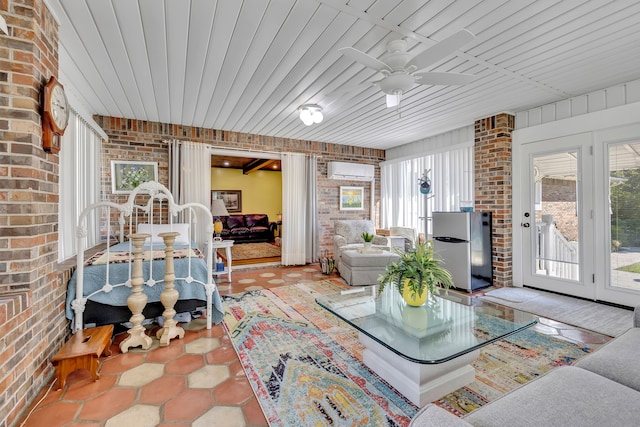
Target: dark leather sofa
248,228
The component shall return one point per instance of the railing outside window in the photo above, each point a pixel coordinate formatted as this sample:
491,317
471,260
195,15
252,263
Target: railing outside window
555,256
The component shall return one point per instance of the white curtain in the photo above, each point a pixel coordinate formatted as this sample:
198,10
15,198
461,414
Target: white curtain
190,175
294,208
79,184
402,204
312,239
174,168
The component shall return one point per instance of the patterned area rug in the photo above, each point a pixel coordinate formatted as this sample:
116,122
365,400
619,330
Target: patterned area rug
305,365
246,251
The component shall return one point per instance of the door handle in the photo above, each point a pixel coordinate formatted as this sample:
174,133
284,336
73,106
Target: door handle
525,224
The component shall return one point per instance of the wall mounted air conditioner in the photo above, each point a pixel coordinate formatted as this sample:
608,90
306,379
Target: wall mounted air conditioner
350,171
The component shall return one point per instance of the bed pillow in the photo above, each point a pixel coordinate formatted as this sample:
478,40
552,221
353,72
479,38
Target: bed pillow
182,239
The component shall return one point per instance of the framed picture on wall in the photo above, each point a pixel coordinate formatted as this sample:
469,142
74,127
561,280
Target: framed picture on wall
232,199
351,198
127,175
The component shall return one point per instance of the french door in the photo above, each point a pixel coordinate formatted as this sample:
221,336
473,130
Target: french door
619,152
577,215
556,215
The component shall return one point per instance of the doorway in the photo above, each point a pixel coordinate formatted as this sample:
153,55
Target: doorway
577,215
254,179
555,220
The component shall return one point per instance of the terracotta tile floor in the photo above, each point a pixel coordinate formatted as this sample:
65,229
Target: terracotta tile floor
196,381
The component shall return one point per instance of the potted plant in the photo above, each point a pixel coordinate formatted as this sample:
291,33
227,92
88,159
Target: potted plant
368,238
416,274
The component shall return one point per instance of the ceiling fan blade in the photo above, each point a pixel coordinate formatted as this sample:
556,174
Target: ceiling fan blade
441,49
393,100
434,78
364,59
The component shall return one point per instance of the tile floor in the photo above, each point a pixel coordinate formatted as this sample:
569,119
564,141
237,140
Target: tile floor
196,381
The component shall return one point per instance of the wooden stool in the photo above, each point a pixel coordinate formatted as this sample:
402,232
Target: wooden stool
82,352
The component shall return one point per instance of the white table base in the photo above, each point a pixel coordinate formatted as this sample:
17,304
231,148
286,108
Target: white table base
420,383
226,244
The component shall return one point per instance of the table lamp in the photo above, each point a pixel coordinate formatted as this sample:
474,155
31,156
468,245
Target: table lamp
218,209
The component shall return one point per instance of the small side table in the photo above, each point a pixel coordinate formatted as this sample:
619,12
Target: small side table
226,244
396,242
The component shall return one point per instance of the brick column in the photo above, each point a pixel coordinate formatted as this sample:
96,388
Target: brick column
32,323
493,192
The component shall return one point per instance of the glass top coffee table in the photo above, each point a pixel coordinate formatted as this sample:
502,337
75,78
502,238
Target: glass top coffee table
424,352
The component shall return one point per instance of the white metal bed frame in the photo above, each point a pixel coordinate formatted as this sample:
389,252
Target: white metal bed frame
129,212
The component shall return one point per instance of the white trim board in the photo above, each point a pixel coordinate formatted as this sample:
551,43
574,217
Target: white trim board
598,120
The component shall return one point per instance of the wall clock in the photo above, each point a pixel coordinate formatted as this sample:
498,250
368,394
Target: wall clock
55,115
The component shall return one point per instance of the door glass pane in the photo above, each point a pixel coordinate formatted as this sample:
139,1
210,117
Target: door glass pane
624,209
556,230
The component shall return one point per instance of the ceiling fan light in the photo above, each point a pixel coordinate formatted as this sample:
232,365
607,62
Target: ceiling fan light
397,82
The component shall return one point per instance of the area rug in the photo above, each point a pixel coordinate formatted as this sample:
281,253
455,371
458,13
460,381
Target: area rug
305,365
243,252
510,294
605,319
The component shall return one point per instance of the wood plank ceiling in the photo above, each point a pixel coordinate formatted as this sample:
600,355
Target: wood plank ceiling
248,65
247,164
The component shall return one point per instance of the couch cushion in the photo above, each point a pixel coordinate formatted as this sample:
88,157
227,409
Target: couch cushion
565,396
356,259
434,416
239,231
253,220
234,221
618,360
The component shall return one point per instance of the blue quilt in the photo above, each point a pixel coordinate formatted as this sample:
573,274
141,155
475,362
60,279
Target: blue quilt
95,279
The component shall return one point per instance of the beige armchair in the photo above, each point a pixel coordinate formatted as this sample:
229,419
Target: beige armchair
348,235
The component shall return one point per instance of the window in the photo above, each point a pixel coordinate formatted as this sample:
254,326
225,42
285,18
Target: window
79,183
451,174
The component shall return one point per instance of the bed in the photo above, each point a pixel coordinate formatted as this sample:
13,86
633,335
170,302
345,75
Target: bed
98,291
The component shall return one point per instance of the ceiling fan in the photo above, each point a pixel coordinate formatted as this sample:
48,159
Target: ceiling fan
400,67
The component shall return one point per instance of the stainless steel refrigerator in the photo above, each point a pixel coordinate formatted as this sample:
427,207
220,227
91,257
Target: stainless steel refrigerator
463,241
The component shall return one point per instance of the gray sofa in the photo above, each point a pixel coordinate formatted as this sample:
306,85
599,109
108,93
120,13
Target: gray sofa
603,389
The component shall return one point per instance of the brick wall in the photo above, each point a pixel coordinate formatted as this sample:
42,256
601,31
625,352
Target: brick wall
32,324
493,192
559,199
140,140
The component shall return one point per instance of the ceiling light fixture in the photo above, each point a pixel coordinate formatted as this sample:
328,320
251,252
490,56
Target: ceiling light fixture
310,114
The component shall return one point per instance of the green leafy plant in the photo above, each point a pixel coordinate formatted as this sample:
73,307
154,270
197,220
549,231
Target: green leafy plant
419,269
367,237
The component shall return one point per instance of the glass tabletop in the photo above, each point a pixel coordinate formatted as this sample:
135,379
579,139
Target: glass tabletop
446,327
